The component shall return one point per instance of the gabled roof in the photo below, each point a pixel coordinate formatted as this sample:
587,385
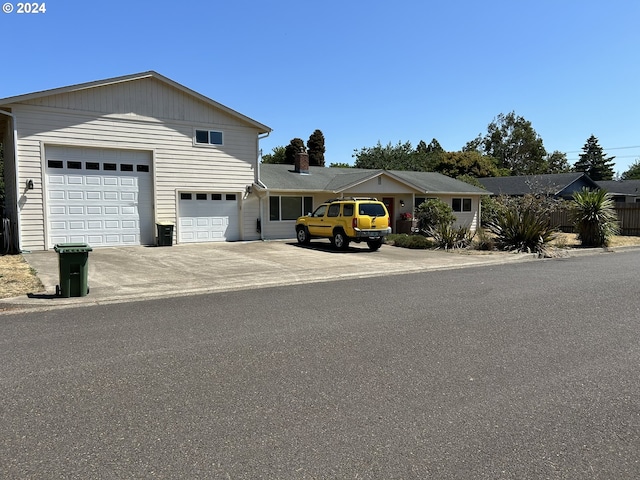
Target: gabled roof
621,187
554,184
128,78
337,180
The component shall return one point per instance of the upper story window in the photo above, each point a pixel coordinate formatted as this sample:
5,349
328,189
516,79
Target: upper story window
208,137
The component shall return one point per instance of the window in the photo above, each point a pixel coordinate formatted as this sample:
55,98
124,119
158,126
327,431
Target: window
54,163
274,209
92,166
372,209
208,137
288,208
185,196
461,204
126,167
110,166
334,210
74,165
216,196
232,197
201,196
347,210
142,168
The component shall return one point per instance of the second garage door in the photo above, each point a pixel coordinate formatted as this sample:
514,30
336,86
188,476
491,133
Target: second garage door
208,217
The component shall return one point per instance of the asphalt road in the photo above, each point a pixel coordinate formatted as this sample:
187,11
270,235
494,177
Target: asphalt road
499,372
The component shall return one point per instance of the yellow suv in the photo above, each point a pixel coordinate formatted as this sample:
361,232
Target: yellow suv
344,220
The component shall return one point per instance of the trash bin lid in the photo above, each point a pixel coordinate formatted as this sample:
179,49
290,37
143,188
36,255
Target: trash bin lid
72,247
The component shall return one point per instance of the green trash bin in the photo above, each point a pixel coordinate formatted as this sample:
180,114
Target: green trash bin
165,234
73,263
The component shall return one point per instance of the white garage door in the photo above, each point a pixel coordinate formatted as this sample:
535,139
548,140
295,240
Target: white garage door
208,217
100,197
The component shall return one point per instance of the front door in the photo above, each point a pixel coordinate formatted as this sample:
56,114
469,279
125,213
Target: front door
388,202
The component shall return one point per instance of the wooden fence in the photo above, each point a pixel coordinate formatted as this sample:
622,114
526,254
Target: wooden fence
628,216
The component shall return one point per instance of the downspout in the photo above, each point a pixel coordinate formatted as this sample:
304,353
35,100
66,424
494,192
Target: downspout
15,170
259,182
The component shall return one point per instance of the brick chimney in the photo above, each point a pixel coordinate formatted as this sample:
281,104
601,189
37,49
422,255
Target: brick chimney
301,162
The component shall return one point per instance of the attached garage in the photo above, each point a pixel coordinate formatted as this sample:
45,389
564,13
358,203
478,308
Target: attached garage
208,217
102,197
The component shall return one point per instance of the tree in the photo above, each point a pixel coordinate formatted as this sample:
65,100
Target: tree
315,147
633,173
474,164
594,161
277,155
389,157
428,156
296,145
557,163
401,156
513,142
340,165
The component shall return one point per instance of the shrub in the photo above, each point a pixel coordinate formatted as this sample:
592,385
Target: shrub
449,237
410,241
594,217
434,212
523,227
484,241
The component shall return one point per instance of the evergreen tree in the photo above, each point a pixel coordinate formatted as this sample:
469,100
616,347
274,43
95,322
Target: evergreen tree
295,146
315,147
594,161
634,171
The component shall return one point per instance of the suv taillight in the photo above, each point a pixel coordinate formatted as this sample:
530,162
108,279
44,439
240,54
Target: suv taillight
354,222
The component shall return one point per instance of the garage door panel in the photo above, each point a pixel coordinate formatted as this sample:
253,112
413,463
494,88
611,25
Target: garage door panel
207,219
100,208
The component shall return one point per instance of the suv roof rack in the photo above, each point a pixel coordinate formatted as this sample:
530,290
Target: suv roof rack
351,198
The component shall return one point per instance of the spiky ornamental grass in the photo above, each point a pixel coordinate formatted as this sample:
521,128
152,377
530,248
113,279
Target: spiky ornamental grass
522,229
594,217
446,236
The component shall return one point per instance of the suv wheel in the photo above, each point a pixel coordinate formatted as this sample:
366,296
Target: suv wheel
374,244
340,240
302,235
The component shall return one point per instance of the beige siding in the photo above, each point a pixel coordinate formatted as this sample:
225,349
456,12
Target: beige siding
178,164
146,97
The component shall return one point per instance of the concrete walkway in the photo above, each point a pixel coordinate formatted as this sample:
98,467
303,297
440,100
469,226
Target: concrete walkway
118,274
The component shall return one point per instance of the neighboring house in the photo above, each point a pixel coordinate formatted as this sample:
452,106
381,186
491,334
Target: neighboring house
561,185
103,162
622,191
293,190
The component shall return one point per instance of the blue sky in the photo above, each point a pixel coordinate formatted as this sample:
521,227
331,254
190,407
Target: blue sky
360,71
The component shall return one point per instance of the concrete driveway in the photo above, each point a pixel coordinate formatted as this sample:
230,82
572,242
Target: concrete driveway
133,273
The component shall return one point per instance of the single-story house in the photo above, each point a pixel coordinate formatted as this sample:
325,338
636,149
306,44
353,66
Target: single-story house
105,162
622,191
561,185
291,190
